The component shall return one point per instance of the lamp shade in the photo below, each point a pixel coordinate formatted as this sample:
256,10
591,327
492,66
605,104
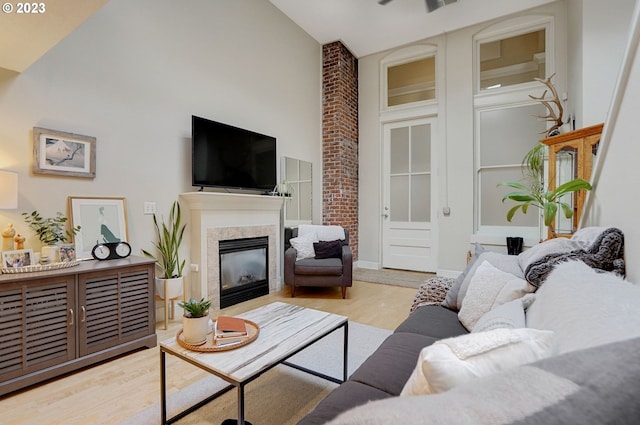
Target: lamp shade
8,190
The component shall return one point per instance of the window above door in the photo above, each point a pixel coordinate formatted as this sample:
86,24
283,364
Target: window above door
408,78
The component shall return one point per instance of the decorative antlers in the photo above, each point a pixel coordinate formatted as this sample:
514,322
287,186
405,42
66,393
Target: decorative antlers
555,100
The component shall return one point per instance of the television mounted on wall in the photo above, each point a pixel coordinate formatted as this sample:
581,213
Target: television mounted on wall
229,157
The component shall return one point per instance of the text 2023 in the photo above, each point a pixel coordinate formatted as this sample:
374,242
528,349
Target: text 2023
30,7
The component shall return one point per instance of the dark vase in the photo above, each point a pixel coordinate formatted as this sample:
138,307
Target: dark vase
514,245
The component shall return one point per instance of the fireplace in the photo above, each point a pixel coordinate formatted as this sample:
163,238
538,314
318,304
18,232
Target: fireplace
244,269
215,217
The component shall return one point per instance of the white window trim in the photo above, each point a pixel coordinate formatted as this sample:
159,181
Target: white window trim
511,96
402,56
513,28
529,231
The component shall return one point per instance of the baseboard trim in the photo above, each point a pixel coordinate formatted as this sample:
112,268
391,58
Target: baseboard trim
370,265
448,273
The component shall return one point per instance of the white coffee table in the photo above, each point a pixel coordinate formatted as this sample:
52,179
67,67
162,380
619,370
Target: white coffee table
285,330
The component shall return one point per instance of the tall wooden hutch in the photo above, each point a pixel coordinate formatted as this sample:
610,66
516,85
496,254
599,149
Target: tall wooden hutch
571,156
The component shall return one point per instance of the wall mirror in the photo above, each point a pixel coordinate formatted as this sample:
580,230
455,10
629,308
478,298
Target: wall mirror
296,184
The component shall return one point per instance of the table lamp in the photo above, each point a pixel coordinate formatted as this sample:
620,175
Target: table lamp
8,201
8,190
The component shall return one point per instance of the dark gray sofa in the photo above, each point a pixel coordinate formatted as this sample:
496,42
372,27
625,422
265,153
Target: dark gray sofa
593,376
607,378
385,372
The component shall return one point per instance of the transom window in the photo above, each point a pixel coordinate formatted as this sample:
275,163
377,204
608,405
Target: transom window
411,82
512,60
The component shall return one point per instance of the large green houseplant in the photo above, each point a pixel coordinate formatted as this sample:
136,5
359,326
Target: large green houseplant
169,238
532,190
170,284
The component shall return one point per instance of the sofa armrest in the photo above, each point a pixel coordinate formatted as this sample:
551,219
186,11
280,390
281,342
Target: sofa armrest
289,265
347,264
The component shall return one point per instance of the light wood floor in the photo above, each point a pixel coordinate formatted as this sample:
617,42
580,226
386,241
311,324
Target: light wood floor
113,391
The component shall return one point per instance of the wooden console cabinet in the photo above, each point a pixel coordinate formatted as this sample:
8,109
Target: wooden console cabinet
58,321
571,156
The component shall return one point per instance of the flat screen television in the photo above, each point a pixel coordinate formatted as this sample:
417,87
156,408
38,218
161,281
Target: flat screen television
230,157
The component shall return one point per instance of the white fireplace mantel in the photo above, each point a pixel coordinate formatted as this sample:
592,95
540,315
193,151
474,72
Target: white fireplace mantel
211,210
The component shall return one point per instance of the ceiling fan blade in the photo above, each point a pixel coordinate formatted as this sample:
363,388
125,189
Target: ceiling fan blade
383,2
433,5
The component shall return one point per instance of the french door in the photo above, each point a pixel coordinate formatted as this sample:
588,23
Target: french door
409,222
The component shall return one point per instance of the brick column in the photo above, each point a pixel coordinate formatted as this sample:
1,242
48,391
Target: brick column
340,140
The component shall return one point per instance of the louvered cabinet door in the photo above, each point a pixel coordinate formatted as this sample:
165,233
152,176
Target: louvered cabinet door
114,307
37,325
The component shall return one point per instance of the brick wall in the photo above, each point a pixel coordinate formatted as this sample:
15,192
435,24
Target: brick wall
340,139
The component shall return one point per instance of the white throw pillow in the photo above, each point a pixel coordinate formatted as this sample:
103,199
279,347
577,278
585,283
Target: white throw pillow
506,263
508,315
489,288
322,232
304,246
454,361
585,308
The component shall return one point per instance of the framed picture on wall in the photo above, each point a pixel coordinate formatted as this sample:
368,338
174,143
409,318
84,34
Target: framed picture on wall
66,154
17,258
100,220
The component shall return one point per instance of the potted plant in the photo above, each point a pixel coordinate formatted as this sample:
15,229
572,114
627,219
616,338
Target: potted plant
533,192
195,321
169,285
51,231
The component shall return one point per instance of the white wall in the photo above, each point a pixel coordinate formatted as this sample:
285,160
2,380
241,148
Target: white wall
598,32
133,75
614,201
456,114
603,48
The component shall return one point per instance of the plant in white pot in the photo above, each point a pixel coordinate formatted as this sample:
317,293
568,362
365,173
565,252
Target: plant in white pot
533,191
195,321
51,231
170,282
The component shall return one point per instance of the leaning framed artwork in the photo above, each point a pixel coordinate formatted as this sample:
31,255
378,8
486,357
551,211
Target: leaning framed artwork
66,154
100,220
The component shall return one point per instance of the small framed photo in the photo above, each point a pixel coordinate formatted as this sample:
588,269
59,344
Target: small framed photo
17,258
67,253
65,154
100,220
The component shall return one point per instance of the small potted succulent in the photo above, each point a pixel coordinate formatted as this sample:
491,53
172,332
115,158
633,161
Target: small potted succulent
195,321
51,231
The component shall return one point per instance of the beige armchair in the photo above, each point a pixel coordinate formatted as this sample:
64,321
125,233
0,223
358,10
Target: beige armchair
312,271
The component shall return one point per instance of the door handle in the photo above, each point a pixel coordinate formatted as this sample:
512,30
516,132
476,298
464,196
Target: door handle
70,317
83,317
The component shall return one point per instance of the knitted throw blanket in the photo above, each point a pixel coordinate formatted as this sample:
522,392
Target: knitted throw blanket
605,253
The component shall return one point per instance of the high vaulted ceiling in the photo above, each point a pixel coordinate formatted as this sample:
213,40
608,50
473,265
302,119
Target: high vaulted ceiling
366,27
25,37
